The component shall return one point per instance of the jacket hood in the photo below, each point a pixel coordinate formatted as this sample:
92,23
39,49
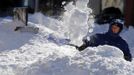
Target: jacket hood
117,23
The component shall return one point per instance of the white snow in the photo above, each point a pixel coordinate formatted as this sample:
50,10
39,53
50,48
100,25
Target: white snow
46,52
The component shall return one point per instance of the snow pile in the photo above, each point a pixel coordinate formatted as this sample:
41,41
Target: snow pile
46,53
80,64
36,54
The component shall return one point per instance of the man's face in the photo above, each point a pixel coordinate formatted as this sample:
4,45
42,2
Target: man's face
115,28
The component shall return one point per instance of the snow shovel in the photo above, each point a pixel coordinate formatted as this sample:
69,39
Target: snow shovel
27,29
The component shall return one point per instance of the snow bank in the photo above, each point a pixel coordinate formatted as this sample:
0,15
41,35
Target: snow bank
46,53
39,55
51,59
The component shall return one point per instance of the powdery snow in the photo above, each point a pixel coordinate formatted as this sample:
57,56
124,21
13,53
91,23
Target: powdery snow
35,54
32,54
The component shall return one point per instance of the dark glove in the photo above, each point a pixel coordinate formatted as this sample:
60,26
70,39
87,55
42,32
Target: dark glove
82,47
128,58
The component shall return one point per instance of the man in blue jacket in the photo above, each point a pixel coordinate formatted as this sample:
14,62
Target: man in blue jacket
111,38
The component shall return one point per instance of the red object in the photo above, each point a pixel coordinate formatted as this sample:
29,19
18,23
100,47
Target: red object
129,12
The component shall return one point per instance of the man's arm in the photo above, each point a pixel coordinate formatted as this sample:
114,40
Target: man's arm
126,51
128,58
92,42
127,54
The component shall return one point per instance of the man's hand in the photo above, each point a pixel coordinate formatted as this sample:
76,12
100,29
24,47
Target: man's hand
82,47
128,58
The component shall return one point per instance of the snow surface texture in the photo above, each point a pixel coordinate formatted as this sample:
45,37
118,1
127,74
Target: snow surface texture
46,53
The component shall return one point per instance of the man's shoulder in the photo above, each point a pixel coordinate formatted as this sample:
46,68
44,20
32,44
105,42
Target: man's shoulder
97,35
100,34
121,40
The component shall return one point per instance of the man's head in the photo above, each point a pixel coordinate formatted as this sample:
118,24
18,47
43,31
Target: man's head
116,27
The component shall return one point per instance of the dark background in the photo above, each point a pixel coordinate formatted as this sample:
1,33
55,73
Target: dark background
47,7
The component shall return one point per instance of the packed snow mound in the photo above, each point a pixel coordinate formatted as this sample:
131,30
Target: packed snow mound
42,56
49,59
105,51
80,64
47,52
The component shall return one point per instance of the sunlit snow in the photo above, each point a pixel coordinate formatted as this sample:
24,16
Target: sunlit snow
46,53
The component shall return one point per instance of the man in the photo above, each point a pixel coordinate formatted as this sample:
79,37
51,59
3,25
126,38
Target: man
111,38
